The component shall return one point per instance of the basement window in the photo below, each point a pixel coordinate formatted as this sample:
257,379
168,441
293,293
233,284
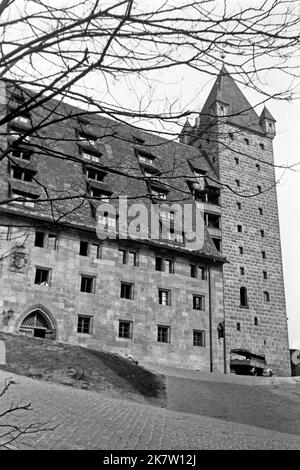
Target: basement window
199,338
163,334
125,329
84,324
42,277
87,284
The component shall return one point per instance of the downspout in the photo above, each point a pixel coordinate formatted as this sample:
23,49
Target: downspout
210,323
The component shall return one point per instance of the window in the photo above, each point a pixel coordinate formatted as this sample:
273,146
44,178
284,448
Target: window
110,221
159,265
21,153
266,297
231,136
132,258
238,326
122,257
238,183
263,255
95,175
246,141
169,266
198,302
193,269
52,241
262,146
259,188
42,276
21,174
217,243
96,193
164,297
265,274
39,239
255,321
126,291
242,271
163,334
95,250
138,140
236,161
260,210
243,297
87,284
203,273
262,233
84,248
198,338
239,206
241,250
125,329
22,118
84,324
159,194
42,240
239,228
90,157
257,166
146,158
220,330
23,199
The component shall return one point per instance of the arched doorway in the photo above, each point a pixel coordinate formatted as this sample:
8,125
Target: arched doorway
37,324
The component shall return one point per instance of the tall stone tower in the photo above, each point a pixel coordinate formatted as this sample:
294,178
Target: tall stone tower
238,144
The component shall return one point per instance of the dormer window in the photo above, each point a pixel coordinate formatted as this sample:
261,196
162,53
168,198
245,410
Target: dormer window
21,173
87,138
146,158
90,157
138,140
17,133
96,193
94,174
158,194
22,118
25,199
21,153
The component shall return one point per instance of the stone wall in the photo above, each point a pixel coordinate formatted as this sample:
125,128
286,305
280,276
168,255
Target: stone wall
63,301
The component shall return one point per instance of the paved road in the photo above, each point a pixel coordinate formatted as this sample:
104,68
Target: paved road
90,420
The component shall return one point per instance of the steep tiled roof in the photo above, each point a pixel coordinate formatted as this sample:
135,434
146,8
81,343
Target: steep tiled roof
240,112
60,165
266,115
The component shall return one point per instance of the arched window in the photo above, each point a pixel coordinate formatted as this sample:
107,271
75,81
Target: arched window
243,297
266,296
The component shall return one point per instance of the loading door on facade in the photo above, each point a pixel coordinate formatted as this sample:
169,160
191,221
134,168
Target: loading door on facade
36,324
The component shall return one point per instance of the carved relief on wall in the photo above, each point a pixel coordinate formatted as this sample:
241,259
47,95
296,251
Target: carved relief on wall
19,260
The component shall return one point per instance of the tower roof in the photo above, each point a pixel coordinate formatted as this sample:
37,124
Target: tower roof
240,112
266,115
187,128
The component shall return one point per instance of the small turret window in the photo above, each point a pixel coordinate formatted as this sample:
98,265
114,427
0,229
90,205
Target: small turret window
243,297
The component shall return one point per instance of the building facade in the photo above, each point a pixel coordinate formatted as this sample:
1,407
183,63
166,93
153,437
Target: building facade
155,299
239,144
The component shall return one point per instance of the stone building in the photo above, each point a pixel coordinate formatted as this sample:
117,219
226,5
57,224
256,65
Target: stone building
158,299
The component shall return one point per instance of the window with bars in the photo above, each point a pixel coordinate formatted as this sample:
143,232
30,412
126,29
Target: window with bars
84,324
163,334
198,338
125,329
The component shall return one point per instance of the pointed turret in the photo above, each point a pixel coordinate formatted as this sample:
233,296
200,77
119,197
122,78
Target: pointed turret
227,100
267,122
186,133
